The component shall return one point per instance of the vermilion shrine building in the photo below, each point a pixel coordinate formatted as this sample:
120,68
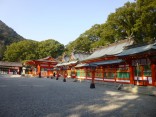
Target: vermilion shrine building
42,67
67,67
10,67
142,63
120,62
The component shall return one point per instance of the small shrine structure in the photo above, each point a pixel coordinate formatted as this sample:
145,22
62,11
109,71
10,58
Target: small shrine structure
67,67
10,67
42,67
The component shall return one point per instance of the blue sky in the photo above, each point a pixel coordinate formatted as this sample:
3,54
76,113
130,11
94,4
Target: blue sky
62,20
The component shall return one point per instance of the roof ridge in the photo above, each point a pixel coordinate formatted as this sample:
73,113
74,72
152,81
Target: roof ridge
138,45
115,44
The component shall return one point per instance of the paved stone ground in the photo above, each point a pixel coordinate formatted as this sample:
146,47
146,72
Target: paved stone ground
38,97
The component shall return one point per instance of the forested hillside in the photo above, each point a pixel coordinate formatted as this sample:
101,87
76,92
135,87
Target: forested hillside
7,36
133,20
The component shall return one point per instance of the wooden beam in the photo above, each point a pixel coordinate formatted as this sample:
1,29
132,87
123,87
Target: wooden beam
39,70
153,67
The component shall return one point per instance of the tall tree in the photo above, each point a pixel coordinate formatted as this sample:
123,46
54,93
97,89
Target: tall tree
49,47
135,20
145,26
29,49
19,51
2,49
120,24
84,41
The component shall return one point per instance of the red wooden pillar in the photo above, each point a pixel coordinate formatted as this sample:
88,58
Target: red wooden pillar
103,72
74,74
65,75
131,71
18,71
153,67
115,72
9,71
61,71
39,70
57,74
85,68
48,71
92,85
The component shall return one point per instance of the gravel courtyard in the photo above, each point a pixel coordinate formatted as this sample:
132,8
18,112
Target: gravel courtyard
42,97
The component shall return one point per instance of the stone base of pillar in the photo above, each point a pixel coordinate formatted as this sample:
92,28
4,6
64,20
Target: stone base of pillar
39,75
75,80
64,80
92,85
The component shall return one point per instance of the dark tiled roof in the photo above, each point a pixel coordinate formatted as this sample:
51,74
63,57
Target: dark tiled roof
80,56
10,64
137,50
112,49
66,59
42,61
67,63
85,65
76,57
108,62
49,58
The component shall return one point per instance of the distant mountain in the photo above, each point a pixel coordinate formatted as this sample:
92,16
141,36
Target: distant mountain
8,35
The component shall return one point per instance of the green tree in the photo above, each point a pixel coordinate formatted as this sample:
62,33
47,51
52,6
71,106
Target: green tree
19,51
120,25
135,20
84,41
145,26
2,49
29,49
49,47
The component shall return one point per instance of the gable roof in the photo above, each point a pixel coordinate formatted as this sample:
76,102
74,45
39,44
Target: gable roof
66,63
80,56
112,49
73,59
47,60
65,59
137,50
10,64
85,65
